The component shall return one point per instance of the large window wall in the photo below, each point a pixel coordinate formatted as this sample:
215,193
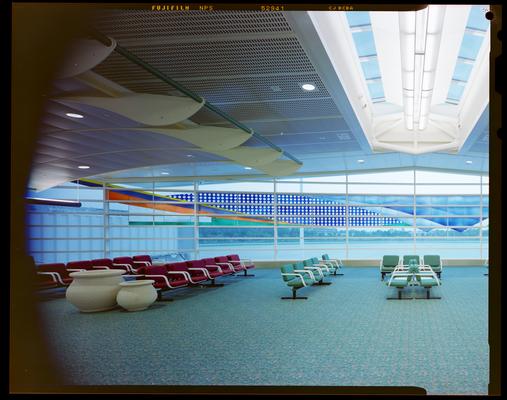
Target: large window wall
360,216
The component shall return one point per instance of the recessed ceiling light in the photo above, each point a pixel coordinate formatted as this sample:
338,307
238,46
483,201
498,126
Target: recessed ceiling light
74,115
308,86
248,167
469,161
189,155
164,173
360,161
83,166
322,137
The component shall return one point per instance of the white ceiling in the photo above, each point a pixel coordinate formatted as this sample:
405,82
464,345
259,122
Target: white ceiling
249,64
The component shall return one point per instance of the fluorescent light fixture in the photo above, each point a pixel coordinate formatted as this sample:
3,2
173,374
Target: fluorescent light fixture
164,173
360,161
420,34
74,115
469,161
248,167
308,86
83,166
189,155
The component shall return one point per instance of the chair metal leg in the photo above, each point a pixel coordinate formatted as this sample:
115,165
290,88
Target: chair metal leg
213,284
294,296
247,274
399,296
428,296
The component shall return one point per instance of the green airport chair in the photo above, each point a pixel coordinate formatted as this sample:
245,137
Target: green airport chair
427,278
400,279
331,269
334,264
296,279
388,264
407,259
316,272
434,262
321,268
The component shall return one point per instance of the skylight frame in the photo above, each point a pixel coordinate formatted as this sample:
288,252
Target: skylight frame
360,27
476,29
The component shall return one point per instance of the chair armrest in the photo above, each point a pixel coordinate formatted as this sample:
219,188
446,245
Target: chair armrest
298,275
130,269
146,263
75,269
306,271
203,270
319,270
127,267
137,276
229,264
100,267
322,265
215,266
338,262
159,276
55,276
184,273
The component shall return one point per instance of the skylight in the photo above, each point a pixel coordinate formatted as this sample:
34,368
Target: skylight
360,26
476,28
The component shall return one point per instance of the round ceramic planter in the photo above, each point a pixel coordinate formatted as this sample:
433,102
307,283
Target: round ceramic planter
92,291
136,295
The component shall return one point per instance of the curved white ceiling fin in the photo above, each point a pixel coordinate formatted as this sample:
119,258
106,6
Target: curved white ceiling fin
208,138
280,167
83,55
145,108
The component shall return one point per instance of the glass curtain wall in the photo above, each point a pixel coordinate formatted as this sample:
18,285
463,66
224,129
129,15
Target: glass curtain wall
360,216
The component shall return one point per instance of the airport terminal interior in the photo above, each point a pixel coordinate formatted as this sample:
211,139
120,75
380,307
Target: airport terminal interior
267,198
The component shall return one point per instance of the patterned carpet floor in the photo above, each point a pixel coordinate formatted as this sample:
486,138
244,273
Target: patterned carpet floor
345,334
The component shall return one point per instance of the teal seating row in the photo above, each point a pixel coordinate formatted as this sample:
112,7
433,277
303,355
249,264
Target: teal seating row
413,275
388,263
307,273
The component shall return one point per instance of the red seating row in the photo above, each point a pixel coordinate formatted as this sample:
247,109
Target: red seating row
166,276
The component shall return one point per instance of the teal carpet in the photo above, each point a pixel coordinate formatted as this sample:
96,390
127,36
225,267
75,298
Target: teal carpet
345,334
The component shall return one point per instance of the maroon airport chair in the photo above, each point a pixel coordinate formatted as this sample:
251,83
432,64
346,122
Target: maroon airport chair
164,279
142,260
224,269
79,265
196,277
125,263
235,261
200,265
57,271
223,260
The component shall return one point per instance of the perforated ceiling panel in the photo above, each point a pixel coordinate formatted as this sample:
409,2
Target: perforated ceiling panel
126,24
238,88
224,58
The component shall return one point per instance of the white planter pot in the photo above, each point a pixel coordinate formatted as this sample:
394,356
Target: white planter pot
136,295
92,291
